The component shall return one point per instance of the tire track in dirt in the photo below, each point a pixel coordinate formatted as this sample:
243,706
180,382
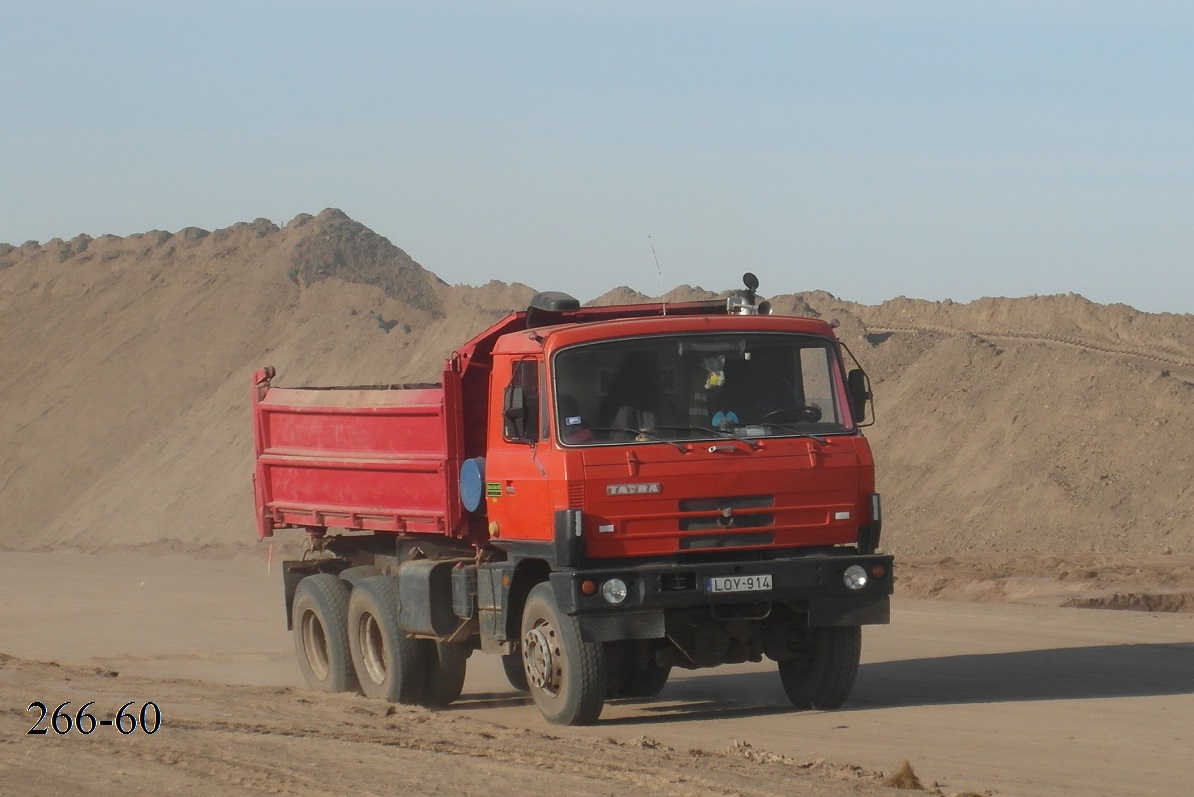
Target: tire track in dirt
1169,357
264,740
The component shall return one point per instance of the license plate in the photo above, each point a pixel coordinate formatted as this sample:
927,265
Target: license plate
755,583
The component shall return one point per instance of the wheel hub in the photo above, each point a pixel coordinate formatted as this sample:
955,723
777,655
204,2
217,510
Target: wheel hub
315,645
541,656
373,648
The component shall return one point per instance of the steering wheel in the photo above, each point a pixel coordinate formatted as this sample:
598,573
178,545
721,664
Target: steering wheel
807,414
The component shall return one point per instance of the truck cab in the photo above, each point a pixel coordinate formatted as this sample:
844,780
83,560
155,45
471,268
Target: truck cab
672,437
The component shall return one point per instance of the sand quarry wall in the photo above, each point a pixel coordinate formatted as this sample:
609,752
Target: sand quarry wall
1035,424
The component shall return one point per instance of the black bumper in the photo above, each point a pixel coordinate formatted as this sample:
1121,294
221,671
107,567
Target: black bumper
811,585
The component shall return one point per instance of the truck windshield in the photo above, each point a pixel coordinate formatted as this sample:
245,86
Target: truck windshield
697,387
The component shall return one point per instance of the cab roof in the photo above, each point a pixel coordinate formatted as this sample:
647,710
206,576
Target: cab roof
585,324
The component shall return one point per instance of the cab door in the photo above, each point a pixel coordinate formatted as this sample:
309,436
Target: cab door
517,462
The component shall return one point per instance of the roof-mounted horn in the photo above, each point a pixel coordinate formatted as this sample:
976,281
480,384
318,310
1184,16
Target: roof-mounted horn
745,302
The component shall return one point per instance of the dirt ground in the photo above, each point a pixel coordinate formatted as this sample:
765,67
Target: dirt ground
264,740
1012,695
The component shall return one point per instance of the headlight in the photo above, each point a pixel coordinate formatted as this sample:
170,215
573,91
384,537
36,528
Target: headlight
855,577
614,591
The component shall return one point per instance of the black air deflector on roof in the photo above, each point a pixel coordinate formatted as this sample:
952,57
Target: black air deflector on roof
554,302
546,307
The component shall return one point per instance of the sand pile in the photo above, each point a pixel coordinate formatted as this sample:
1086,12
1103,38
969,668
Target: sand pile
1037,424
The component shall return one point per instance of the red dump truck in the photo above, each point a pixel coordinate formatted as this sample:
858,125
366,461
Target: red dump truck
597,495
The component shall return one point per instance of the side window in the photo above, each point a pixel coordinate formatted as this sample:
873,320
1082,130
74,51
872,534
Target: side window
521,406
816,381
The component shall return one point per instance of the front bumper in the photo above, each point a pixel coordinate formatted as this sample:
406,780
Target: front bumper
811,585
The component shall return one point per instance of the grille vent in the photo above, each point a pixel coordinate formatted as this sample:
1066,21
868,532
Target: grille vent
733,512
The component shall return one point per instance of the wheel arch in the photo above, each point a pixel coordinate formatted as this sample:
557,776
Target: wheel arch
295,571
527,574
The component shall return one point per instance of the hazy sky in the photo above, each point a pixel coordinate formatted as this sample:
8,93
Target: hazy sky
871,149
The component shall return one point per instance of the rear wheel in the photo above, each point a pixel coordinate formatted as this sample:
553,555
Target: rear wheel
566,675
319,614
389,665
822,676
353,575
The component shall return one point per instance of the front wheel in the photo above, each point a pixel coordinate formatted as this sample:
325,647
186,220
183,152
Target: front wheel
823,674
515,673
566,675
390,665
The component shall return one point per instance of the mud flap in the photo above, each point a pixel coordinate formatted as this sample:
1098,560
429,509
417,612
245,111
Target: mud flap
868,610
493,605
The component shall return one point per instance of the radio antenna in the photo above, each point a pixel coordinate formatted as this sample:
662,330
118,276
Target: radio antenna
660,272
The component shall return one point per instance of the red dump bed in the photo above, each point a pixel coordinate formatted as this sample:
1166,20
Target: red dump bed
356,458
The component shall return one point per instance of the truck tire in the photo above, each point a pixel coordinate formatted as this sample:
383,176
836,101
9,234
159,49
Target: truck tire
389,665
320,612
516,672
353,575
619,662
447,663
628,675
823,678
645,683
566,675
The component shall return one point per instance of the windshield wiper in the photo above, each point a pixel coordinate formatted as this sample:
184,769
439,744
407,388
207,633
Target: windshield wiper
644,432
719,434
796,432
693,428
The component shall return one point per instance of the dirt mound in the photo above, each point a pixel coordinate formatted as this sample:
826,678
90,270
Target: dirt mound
1044,424
1116,328
124,370
988,443
336,246
621,295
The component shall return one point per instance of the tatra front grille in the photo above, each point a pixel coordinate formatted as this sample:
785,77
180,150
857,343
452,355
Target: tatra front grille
737,512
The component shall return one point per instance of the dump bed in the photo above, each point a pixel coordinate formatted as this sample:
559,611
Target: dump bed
379,458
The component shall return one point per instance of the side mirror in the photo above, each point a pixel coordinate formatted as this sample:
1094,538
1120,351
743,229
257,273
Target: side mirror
514,413
859,388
